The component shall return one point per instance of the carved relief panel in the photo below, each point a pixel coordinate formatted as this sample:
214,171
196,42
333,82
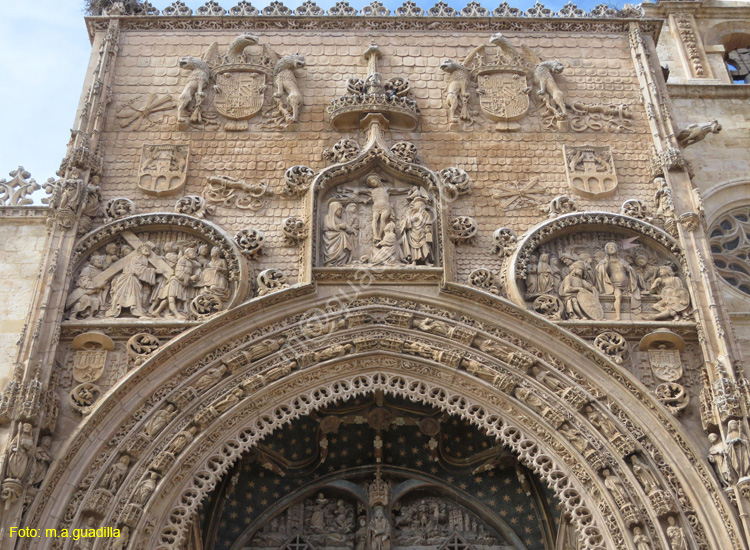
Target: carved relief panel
321,520
379,221
157,270
603,275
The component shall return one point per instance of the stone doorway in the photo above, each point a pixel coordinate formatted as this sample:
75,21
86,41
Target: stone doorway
378,473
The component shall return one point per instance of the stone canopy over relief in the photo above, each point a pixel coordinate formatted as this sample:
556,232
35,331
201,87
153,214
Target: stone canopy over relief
156,272
378,220
603,275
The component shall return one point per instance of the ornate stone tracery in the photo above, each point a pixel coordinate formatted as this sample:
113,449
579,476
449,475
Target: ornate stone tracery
398,383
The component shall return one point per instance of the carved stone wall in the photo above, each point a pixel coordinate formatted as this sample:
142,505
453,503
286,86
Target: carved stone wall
599,73
260,218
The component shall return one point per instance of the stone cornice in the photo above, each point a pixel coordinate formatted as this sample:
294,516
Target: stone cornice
36,213
390,23
717,10
709,91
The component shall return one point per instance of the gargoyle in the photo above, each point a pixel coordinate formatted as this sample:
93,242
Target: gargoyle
693,133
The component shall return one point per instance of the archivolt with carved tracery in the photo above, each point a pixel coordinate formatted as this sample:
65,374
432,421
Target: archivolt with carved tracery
383,308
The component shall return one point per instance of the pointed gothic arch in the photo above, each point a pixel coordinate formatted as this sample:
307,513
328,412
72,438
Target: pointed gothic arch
478,363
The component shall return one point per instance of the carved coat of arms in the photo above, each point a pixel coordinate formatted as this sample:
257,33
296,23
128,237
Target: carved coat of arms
590,170
240,82
88,365
503,93
665,364
163,168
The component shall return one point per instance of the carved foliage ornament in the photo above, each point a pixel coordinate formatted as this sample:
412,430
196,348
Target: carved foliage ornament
17,191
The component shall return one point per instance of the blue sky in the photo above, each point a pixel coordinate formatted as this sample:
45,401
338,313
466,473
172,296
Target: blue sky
44,52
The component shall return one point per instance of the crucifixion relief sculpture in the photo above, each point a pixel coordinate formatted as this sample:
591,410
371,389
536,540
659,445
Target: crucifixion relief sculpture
401,230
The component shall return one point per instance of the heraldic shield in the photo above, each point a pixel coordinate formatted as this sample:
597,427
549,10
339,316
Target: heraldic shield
163,168
240,92
503,97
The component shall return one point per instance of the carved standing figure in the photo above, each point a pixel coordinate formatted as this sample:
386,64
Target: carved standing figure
317,520
615,276
211,378
644,474
379,531
545,277
42,459
215,275
20,453
145,489
181,440
416,230
160,420
738,451
337,236
116,473
127,287
717,455
176,288
640,540
676,535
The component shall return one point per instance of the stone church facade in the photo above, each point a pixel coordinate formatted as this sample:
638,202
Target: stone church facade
373,280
